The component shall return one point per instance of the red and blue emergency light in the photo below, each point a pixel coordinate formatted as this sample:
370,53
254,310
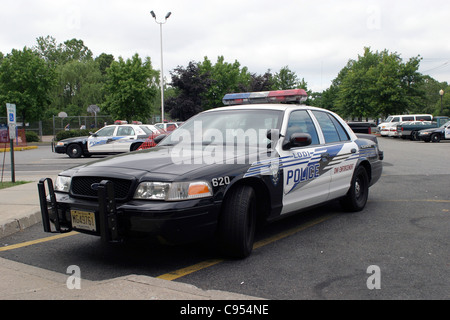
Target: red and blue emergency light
279,96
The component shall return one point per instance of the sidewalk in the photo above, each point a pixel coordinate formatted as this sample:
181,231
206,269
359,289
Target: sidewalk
20,209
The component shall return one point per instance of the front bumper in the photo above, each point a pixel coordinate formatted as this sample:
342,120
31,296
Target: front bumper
172,222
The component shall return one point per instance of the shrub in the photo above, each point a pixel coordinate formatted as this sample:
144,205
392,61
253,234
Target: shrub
71,134
31,136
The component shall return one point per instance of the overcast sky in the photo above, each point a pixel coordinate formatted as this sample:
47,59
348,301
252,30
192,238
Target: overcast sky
315,39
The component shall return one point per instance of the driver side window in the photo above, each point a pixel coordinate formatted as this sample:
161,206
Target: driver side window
105,132
300,122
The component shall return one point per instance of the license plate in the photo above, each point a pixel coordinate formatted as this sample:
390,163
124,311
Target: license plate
84,220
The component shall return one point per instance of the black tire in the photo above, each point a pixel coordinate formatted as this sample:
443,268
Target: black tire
357,195
74,151
414,136
135,146
237,223
435,137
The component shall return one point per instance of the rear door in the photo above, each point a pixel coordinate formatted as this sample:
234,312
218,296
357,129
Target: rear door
339,153
124,137
102,140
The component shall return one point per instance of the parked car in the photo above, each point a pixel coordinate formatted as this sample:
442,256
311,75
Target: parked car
219,174
391,121
110,139
363,127
168,126
410,129
150,141
435,134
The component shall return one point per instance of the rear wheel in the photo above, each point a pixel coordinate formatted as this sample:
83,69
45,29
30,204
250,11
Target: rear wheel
238,222
74,151
357,196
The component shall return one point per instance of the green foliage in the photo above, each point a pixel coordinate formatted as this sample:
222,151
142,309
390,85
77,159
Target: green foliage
31,136
130,89
377,84
192,87
26,80
55,77
225,78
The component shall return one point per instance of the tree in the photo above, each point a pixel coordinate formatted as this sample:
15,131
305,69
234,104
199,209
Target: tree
60,53
286,79
104,61
378,84
26,80
265,82
191,86
226,78
131,87
80,85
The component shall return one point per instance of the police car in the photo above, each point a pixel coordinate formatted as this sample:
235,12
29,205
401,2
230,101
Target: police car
263,156
110,139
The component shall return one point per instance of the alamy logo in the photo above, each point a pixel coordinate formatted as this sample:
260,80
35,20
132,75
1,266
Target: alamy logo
74,281
374,281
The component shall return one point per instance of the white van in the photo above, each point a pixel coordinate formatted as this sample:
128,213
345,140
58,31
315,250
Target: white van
385,126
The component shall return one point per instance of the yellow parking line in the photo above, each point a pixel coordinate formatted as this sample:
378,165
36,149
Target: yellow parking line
30,243
191,269
209,263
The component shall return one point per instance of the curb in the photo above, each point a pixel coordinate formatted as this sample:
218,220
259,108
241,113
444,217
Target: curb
13,226
18,148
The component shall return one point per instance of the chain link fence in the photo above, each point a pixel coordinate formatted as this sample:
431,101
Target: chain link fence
50,127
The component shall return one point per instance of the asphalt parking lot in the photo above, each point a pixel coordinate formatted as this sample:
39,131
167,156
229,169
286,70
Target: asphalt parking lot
397,248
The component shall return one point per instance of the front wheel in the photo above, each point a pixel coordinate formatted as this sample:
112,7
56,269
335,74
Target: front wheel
74,151
237,223
435,137
357,196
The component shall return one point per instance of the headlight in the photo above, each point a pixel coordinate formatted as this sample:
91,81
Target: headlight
62,184
174,191
60,144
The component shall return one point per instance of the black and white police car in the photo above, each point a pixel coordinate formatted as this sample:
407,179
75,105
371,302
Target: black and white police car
111,139
262,156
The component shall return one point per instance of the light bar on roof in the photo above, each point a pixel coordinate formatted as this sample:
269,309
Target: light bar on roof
279,96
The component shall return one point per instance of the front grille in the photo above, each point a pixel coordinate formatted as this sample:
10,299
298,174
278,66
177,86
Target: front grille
81,187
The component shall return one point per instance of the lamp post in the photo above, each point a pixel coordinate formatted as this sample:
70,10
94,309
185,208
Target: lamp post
441,93
162,70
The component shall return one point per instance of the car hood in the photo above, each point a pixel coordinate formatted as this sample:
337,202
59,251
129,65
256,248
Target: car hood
162,162
68,140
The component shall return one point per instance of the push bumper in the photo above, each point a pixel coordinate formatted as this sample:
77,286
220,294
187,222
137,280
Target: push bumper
178,222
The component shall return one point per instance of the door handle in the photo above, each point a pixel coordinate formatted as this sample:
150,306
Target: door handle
325,157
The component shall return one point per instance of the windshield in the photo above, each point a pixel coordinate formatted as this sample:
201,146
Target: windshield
219,127
445,124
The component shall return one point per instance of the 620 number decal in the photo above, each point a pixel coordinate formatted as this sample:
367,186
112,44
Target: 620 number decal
220,181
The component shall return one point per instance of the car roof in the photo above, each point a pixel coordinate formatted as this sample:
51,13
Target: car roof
267,106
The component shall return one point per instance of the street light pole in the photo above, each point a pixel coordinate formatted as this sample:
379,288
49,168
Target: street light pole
441,93
162,60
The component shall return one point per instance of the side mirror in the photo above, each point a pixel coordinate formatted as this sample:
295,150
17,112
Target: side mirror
298,140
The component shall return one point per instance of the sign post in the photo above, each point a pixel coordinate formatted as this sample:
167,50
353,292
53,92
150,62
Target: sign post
11,114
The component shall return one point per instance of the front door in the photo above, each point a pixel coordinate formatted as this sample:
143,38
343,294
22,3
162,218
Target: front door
305,181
